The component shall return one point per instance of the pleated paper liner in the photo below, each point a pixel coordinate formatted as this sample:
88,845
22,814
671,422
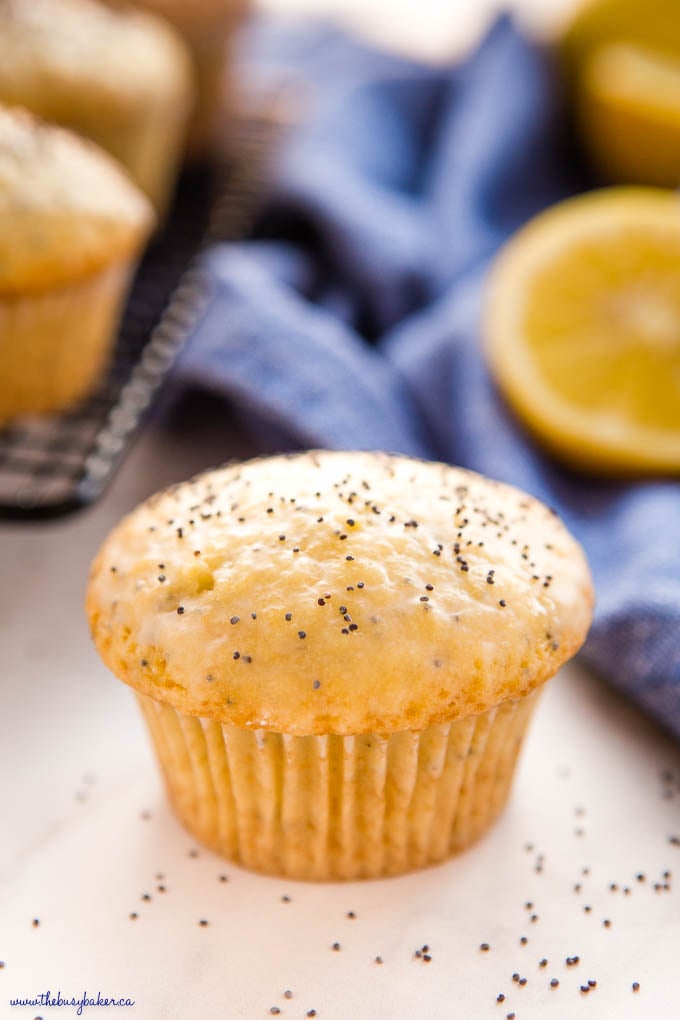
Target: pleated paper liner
334,807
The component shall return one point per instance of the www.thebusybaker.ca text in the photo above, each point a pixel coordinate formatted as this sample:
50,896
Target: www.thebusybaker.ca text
57,999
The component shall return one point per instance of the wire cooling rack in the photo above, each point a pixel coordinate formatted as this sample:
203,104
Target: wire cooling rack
53,464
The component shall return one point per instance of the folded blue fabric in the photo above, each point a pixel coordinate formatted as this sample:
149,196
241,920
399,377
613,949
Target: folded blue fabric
352,319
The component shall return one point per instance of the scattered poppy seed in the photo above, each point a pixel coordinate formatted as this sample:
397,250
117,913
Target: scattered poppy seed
485,947
134,915
636,986
180,610
554,982
523,941
336,947
203,923
274,1010
378,959
311,1012
288,994
235,620
500,997
316,685
522,981
607,923
351,915
223,878
35,922
543,962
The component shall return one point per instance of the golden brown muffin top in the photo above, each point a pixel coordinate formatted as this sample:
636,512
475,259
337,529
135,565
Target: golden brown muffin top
338,593
192,17
66,208
58,53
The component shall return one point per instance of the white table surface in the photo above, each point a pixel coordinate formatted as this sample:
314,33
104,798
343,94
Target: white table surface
86,832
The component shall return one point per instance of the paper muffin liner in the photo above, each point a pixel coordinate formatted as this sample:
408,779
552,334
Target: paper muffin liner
334,807
150,145
54,344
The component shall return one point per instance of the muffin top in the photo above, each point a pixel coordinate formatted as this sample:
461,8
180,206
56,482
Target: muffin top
341,593
192,17
60,54
66,208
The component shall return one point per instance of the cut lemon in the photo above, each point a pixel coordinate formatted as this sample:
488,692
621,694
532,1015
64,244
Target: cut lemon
622,60
651,24
628,109
582,329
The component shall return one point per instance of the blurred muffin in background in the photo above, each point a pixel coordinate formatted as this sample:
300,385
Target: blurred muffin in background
72,225
122,78
208,27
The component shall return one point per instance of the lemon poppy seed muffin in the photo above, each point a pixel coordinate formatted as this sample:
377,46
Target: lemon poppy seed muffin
121,78
72,225
208,27
337,654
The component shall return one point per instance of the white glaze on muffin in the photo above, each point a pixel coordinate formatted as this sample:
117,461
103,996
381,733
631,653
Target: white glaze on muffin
342,593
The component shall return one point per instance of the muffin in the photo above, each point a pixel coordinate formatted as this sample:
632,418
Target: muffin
208,26
122,79
337,654
72,225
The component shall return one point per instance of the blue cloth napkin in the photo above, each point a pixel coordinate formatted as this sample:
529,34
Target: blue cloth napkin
352,318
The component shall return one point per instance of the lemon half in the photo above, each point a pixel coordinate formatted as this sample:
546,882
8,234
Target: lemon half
628,109
622,61
582,329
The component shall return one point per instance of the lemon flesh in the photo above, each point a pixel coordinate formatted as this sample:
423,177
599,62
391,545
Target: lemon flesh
582,329
651,24
622,61
628,109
